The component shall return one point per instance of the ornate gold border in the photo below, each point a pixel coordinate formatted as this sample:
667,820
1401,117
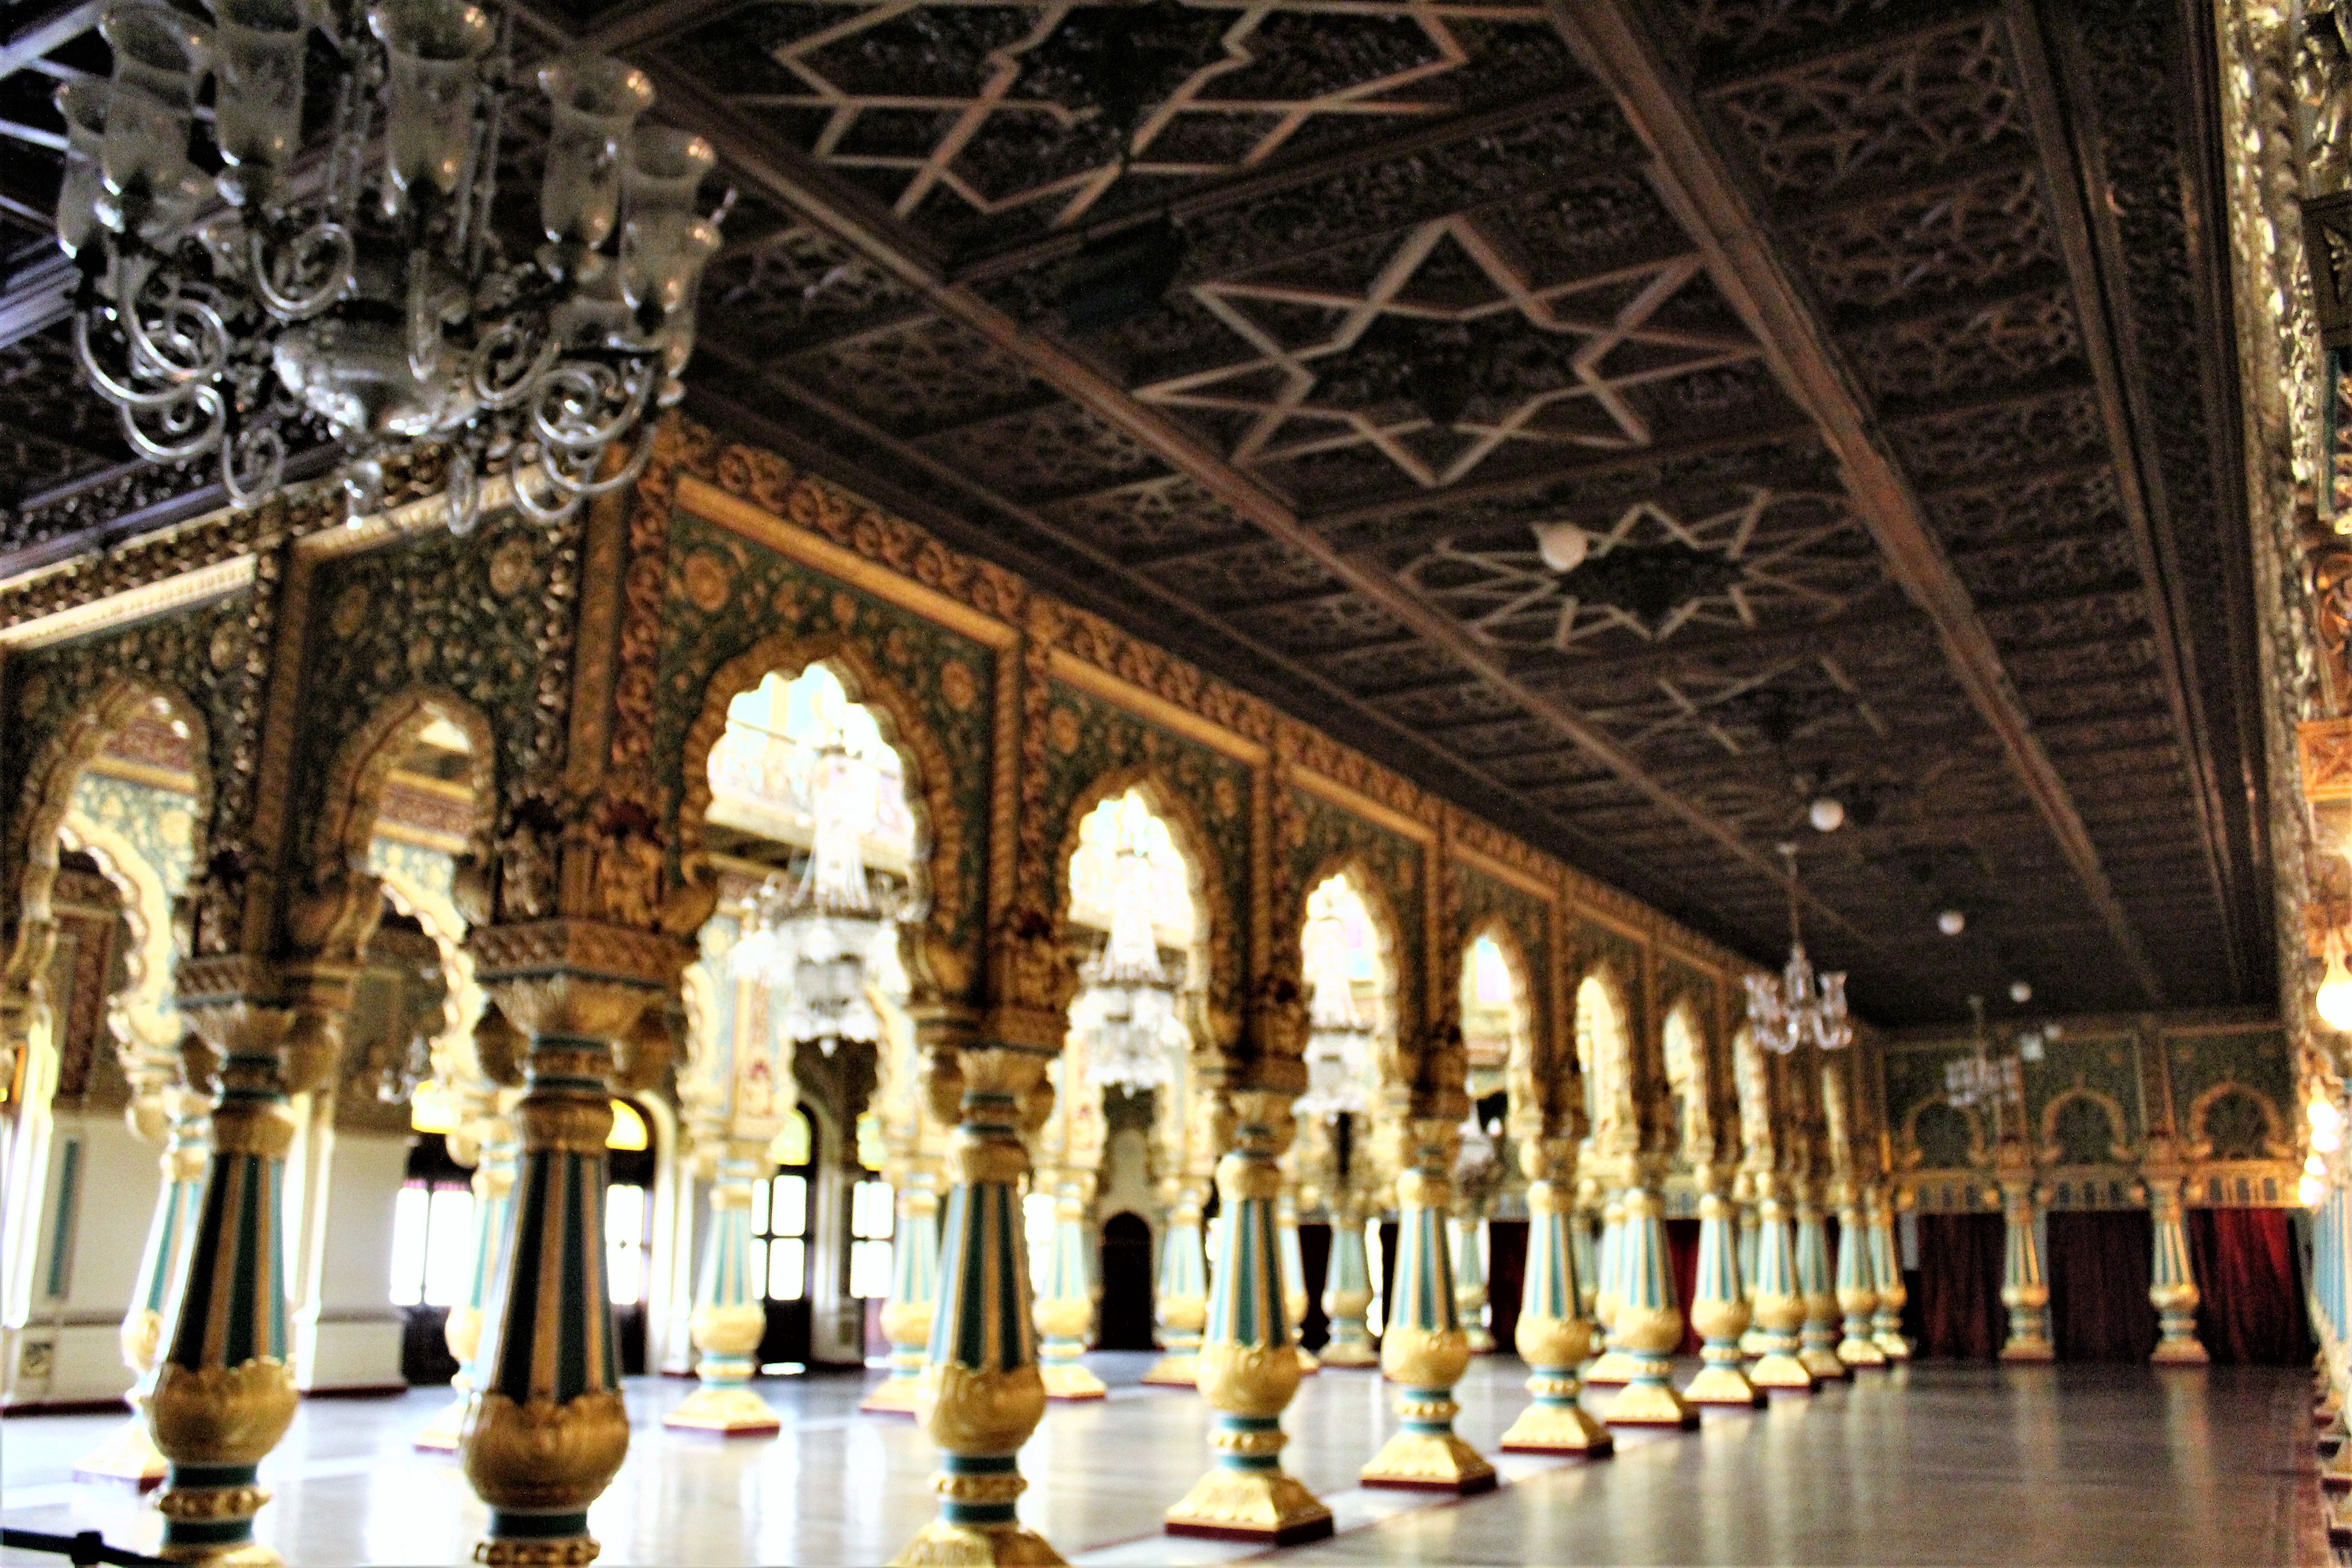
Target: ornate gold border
185,591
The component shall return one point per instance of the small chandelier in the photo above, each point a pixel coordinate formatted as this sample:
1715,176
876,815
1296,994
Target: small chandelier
1126,1012
1788,1012
816,943
1983,1081
362,289
1339,1034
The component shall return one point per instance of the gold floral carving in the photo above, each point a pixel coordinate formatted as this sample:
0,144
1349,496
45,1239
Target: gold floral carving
969,1411
222,1415
544,1455
1247,1380
731,1330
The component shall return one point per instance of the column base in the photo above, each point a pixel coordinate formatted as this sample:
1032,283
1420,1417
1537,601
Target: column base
1725,1386
1308,1365
1652,1404
1067,1380
1780,1369
1179,1369
1823,1364
2339,1527
247,1554
440,1433
1857,1351
1613,1369
1755,1342
1348,1353
943,1545
1268,1506
894,1396
1558,1429
1480,1342
727,1409
1892,1344
128,1456
2181,1353
1429,1462
2029,1349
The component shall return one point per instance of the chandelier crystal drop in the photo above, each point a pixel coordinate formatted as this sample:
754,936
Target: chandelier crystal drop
817,943
1338,1031
1126,1012
361,288
1799,1007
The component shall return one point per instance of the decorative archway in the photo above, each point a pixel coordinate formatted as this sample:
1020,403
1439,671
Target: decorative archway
1689,1083
1604,1049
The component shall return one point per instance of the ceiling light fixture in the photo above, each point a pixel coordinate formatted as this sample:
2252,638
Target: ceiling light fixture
1563,545
1827,814
1795,1008
1952,922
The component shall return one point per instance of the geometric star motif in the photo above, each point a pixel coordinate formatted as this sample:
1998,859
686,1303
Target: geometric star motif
1548,364
1780,555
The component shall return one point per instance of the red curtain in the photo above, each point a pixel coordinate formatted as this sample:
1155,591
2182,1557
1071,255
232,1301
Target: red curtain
1960,1262
1506,1279
2250,1282
2098,1265
1682,1257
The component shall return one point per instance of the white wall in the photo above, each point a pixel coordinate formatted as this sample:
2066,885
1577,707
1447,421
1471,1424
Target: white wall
79,1245
346,1331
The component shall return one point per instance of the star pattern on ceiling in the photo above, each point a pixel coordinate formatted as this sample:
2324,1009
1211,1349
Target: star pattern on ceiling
1771,556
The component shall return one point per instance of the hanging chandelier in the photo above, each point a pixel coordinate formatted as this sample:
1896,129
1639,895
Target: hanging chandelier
1798,1007
1126,1013
362,289
815,942
1983,1079
1338,1034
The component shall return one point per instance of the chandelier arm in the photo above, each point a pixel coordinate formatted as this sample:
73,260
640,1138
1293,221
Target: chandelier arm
202,397
490,393
211,338
120,394
535,509
294,307
245,490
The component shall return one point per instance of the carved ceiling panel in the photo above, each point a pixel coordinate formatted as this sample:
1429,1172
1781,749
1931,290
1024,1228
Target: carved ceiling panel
923,375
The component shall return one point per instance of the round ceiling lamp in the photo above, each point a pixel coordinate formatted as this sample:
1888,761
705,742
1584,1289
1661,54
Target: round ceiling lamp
1952,922
1563,545
2019,992
1827,814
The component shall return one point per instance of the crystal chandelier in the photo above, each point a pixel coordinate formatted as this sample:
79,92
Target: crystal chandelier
1980,1080
816,943
1795,1008
1126,1012
1339,1034
362,287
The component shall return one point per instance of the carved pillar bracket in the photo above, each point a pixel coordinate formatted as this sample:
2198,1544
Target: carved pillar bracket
1719,1307
731,1311
224,1393
1780,1304
2172,1284
1553,1335
2022,1288
1423,1347
981,1393
1248,1367
547,1431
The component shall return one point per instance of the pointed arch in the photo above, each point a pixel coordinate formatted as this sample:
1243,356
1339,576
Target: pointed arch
362,765
1204,883
1604,1051
1690,1086
1520,1068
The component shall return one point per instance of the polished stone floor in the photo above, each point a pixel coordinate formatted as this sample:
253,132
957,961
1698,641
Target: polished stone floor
1935,1463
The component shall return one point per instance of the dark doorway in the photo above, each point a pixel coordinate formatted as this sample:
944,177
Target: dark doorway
783,1230
1506,1280
1126,1315
1314,1264
424,1355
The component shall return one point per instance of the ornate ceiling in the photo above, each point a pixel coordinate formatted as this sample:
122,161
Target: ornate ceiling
1876,349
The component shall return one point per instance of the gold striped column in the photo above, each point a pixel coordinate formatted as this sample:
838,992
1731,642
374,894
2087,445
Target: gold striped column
1553,1336
914,1290
1423,1347
730,1309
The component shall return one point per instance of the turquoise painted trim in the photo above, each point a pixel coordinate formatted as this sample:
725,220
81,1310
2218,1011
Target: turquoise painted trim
1645,1279
61,1228
1814,1281
1719,1278
1855,1272
1351,1273
1550,1288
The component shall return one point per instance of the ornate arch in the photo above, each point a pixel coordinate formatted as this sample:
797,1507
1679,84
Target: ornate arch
362,766
1606,1057
935,967
1694,1090
2201,1145
1215,958
41,813
1387,937
2109,1107
1913,1156
1523,1078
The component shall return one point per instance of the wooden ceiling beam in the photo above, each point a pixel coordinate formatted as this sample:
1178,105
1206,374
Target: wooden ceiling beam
1696,182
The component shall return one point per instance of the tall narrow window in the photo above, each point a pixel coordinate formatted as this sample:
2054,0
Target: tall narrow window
432,1239
626,1206
870,1219
780,1212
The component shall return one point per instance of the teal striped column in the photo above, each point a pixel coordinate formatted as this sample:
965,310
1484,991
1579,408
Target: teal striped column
1066,1299
2022,1288
730,1309
1470,1281
1347,1293
914,1290
1588,1262
1886,1263
128,1454
1819,1289
1248,1371
224,1391
1778,1305
548,1431
1294,1271
1553,1335
1719,1309
1181,1292
1649,1321
982,1393
2172,1283
1614,1367
1751,1342
1857,1283
1423,1347
493,1183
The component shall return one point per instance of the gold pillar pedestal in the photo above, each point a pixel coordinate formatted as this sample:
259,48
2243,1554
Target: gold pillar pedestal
1651,1405
1341,1352
1271,1506
1823,1364
1614,1368
1178,1369
1892,1345
1069,1381
1308,1365
727,1410
1781,1369
1429,1462
1725,1386
2181,1353
1558,1429
1855,1351
2034,1350
1482,1342
943,1545
251,1555
128,1456
894,1396
440,1433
